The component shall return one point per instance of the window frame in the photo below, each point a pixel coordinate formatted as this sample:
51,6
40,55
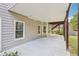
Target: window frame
21,38
39,29
44,29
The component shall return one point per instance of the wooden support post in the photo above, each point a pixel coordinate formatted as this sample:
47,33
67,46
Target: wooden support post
78,29
67,28
59,28
66,33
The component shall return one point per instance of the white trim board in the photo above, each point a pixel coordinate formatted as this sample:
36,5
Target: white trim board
15,29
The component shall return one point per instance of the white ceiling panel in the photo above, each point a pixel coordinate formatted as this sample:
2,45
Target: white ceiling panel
46,12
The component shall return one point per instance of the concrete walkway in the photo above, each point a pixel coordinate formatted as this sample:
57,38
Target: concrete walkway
50,46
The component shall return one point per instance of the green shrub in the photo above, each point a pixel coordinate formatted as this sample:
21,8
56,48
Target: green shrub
10,53
56,31
61,31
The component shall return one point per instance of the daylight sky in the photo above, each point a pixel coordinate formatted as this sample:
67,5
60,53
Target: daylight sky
73,10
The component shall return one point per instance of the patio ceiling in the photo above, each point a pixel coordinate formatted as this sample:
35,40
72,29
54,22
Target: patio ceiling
45,12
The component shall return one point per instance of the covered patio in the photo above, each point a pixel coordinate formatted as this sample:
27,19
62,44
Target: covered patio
54,14
51,46
29,25
34,20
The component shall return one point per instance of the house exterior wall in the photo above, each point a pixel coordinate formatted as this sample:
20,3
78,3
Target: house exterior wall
0,33
7,36
44,24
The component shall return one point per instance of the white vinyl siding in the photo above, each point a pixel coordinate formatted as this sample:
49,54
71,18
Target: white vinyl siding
0,34
7,26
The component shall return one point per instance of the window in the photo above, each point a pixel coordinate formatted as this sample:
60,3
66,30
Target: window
44,29
19,30
38,29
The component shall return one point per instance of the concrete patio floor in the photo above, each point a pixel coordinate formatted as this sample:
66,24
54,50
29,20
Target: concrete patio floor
49,46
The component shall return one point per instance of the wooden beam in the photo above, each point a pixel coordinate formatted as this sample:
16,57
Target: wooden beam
59,22
55,26
78,29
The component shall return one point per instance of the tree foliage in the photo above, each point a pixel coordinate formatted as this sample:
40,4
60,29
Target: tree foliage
73,22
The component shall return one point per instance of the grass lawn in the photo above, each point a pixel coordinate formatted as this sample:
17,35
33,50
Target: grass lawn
73,45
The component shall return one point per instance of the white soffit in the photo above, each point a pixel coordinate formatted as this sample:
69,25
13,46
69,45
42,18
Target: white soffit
46,12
